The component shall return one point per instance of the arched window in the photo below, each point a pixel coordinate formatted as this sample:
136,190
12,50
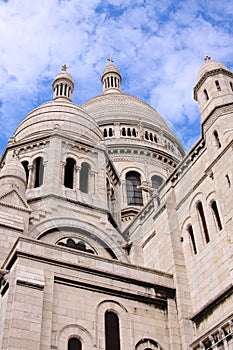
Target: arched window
25,165
84,177
217,139
206,95
69,173
217,85
203,221
74,344
110,132
134,194
192,239
39,171
123,132
112,331
156,181
216,215
105,133
146,135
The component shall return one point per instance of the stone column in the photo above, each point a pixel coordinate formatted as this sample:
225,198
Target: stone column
77,177
92,179
31,176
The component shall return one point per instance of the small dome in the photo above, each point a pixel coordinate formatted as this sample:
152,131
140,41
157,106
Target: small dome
111,79
111,68
210,65
59,116
63,85
13,169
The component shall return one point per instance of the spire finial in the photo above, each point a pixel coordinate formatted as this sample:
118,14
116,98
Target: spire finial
110,60
64,68
207,58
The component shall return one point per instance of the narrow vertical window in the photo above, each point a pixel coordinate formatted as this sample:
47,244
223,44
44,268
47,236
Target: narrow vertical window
69,173
156,181
206,95
25,165
203,221
146,135
228,180
110,132
123,133
134,193
192,239
74,344
217,139
112,331
155,139
39,171
231,85
216,215
84,177
217,85
105,133
134,134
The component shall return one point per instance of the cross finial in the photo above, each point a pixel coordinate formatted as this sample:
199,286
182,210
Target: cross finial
64,68
207,58
110,60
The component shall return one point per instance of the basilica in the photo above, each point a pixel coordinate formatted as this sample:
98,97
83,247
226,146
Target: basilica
112,237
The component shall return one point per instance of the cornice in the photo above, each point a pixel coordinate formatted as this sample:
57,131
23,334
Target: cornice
209,74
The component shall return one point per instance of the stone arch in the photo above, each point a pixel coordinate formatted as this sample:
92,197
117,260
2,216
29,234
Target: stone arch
76,331
43,228
124,321
132,168
147,344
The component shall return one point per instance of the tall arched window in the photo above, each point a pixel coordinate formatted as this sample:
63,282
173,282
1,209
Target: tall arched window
134,193
203,221
192,239
25,165
84,177
69,173
112,331
156,181
39,171
216,215
74,344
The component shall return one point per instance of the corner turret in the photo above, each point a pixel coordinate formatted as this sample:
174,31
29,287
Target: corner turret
214,87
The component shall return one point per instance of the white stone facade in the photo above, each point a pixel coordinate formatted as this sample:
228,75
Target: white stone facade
103,216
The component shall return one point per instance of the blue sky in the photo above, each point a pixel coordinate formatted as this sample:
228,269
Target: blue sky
158,46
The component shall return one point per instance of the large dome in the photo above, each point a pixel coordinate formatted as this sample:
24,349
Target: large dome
122,108
65,116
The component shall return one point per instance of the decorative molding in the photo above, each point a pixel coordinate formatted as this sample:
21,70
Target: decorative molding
217,112
209,74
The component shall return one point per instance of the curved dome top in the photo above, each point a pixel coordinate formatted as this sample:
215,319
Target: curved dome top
208,66
111,68
13,168
109,108
65,117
